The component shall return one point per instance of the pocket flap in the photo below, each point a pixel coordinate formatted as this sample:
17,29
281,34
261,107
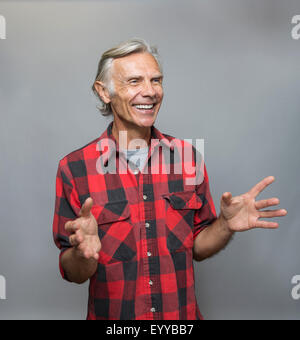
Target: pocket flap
112,212
184,200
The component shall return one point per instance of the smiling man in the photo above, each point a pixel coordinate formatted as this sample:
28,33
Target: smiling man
134,234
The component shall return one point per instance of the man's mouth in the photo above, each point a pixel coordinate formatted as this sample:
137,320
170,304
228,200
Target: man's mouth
144,108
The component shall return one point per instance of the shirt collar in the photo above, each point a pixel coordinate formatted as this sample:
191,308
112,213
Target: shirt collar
108,146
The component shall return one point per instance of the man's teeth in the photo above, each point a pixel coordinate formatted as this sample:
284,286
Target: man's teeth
144,107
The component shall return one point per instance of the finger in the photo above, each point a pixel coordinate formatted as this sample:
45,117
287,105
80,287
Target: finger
79,235
88,254
71,227
266,203
226,197
85,210
266,224
74,241
260,186
272,213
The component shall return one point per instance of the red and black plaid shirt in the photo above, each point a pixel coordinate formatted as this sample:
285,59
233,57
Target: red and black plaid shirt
147,225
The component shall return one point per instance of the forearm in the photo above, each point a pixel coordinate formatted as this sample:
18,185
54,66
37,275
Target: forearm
212,239
77,268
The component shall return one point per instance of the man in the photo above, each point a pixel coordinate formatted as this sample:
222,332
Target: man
135,233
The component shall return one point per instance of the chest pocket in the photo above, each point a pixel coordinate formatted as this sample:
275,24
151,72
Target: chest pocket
118,242
180,210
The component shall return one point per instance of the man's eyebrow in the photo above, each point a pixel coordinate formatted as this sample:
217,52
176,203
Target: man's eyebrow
160,76
134,77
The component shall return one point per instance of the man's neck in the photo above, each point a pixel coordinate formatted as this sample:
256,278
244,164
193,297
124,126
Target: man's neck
131,137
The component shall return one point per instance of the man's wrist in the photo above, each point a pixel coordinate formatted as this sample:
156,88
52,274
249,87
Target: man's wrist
224,225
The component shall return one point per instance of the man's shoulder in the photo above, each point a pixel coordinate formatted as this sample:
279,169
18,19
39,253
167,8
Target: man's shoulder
157,134
167,136
176,141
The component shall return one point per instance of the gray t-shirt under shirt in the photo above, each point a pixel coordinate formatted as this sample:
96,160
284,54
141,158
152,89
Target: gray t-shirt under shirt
137,157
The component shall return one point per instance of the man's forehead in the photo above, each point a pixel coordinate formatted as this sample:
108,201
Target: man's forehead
143,62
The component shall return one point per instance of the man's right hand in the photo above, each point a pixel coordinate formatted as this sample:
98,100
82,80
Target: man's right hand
84,229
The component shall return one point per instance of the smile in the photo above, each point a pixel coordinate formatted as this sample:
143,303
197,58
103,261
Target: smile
144,107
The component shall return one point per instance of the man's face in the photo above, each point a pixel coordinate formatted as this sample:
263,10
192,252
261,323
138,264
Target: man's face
138,91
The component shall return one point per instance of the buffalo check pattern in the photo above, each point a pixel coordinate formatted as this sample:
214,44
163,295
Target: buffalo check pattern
147,223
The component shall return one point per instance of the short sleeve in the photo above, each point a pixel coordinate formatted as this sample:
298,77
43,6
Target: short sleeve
206,214
67,207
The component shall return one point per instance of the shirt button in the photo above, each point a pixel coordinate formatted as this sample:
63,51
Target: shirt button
147,225
150,282
136,172
152,310
149,253
145,197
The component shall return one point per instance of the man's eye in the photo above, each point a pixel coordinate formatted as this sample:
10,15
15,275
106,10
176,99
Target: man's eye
133,81
157,80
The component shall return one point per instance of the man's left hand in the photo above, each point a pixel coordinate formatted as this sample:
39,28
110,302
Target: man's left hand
242,212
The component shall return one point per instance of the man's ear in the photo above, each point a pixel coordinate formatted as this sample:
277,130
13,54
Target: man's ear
102,91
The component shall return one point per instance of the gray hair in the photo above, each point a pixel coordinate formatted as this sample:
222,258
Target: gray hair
126,48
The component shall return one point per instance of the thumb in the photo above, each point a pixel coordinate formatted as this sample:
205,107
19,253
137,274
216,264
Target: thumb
85,210
226,198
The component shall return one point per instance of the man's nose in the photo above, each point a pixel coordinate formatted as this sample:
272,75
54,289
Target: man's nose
148,89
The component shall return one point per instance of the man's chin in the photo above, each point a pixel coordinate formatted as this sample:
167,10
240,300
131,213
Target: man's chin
145,123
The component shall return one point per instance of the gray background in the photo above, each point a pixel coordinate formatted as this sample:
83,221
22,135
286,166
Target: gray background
232,77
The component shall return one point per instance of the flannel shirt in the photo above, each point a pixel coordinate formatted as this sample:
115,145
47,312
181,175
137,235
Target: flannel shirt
147,223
